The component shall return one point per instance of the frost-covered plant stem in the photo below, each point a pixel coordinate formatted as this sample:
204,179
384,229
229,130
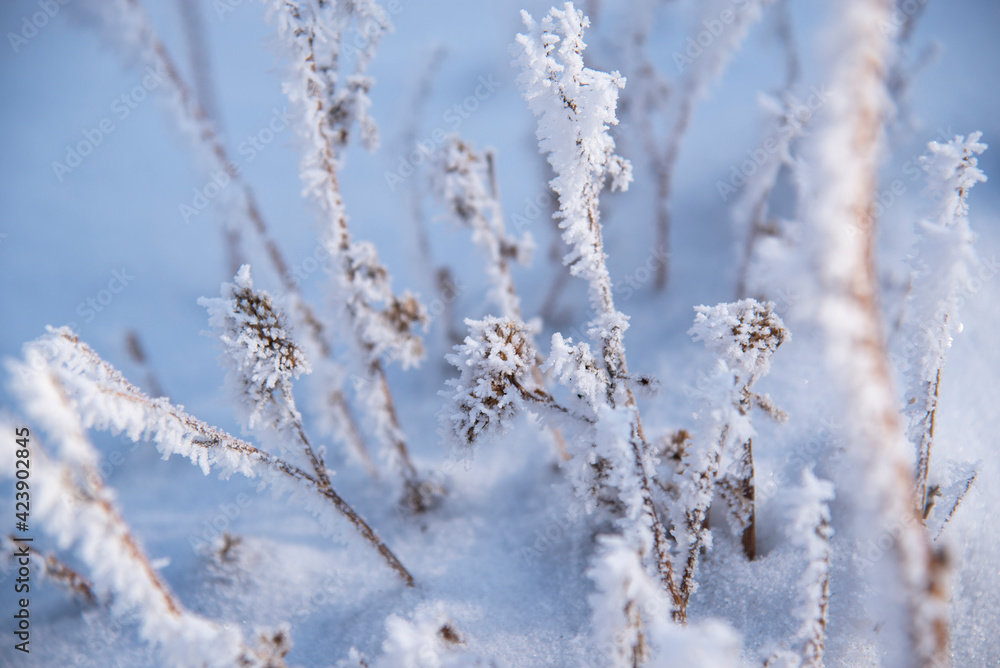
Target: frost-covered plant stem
104,399
128,23
76,507
940,267
811,531
575,106
330,107
846,155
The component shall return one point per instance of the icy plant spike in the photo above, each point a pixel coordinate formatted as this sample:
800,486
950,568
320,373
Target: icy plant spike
575,106
262,359
940,267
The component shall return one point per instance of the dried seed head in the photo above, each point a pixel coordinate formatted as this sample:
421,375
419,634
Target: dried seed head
495,359
257,344
745,334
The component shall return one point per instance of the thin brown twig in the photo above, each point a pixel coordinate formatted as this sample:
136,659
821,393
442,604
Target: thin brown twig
58,571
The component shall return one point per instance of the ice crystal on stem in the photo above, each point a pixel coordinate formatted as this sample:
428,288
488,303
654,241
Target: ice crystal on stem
105,400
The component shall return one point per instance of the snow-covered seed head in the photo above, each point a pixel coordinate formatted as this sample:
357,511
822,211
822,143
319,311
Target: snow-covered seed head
406,312
745,334
256,342
495,359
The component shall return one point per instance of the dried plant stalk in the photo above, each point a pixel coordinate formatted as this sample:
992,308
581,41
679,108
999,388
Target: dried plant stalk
331,102
106,400
847,148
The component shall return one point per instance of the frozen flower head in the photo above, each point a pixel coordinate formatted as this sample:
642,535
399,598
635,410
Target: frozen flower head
385,321
263,358
495,360
744,334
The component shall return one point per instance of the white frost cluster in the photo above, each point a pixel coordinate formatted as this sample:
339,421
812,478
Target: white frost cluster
429,640
744,334
943,252
576,368
258,350
495,361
